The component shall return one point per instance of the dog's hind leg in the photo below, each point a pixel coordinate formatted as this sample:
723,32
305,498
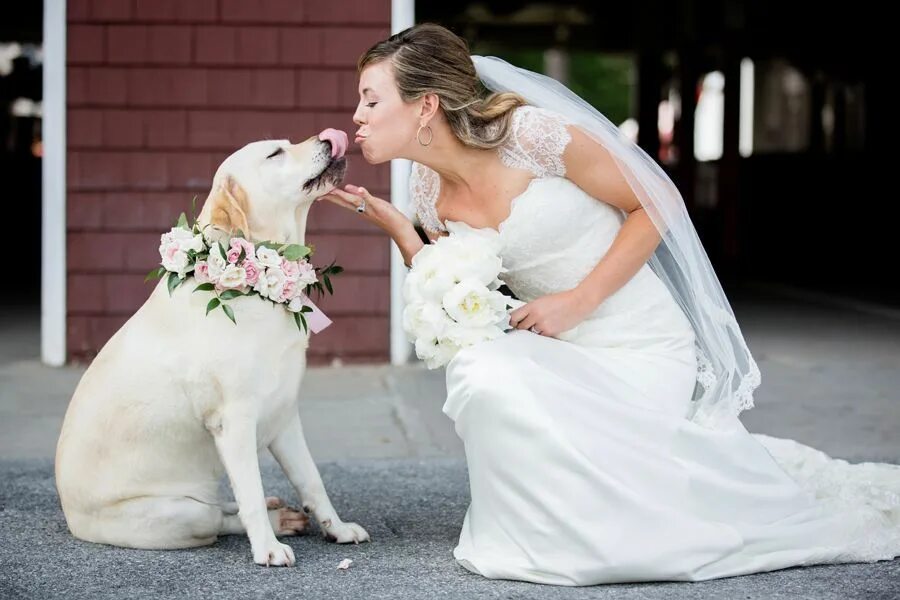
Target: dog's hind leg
284,519
290,450
151,522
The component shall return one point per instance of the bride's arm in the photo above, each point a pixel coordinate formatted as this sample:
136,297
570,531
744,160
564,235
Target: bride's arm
592,168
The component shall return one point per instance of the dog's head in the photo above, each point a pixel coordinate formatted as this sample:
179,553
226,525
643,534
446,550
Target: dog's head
264,188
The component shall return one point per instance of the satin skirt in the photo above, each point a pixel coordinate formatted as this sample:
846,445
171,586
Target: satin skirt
584,470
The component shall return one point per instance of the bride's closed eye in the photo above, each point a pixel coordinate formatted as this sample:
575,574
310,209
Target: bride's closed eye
371,104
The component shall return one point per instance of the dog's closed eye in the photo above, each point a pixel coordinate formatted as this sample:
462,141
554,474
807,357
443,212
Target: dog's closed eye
275,153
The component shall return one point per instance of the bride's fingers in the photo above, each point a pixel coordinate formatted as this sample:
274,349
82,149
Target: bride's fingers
345,198
526,322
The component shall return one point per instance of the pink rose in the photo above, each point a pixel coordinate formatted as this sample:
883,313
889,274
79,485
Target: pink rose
248,247
238,244
288,292
291,269
252,269
201,272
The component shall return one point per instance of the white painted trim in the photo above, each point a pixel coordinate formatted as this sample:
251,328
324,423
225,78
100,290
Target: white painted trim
403,15
53,219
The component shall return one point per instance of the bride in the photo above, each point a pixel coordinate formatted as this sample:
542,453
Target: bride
601,433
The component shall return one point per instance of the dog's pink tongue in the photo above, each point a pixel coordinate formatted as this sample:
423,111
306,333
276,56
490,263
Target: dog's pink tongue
338,141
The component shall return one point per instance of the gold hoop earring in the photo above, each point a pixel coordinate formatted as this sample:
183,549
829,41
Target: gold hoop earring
430,134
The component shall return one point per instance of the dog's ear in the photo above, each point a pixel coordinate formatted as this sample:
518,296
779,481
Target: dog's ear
229,207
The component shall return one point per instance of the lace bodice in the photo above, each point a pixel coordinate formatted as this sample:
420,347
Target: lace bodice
536,143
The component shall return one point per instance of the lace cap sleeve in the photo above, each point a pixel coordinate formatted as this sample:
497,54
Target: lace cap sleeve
424,186
537,141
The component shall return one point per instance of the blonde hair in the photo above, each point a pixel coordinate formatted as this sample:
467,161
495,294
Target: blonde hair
429,58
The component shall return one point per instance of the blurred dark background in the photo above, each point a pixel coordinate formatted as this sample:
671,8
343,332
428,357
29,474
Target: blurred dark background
771,117
20,145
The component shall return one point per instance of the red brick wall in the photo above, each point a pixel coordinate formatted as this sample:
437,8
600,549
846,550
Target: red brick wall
159,92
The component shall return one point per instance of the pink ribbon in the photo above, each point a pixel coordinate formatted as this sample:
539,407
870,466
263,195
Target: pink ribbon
316,319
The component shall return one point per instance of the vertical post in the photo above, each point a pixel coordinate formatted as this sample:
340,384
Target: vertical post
53,185
403,15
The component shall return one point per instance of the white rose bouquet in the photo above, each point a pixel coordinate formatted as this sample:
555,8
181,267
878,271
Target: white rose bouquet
234,266
452,296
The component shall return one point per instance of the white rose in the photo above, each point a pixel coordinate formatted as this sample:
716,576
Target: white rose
296,304
268,257
196,244
233,277
217,264
472,304
175,260
274,282
216,250
307,274
262,285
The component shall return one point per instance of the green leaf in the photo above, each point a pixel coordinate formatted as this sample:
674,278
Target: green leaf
194,208
306,309
295,251
173,282
229,313
328,284
229,294
182,221
336,270
155,274
212,304
300,320
205,287
222,248
239,233
243,254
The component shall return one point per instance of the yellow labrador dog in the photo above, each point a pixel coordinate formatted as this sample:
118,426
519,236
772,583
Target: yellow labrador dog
176,397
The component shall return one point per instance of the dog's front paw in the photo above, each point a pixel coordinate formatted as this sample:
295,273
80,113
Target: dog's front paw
345,533
274,554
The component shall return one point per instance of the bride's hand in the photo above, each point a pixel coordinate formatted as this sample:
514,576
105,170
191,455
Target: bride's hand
380,212
552,314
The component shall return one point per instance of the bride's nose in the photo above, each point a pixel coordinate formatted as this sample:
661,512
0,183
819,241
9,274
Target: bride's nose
357,118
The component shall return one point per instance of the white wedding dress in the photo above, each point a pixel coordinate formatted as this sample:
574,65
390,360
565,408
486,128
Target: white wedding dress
583,468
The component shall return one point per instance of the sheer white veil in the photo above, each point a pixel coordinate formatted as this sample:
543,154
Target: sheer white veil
727,374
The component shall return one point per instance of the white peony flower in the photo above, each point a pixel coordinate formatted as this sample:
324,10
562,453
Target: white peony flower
472,304
435,353
430,279
268,257
425,320
451,294
233,277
